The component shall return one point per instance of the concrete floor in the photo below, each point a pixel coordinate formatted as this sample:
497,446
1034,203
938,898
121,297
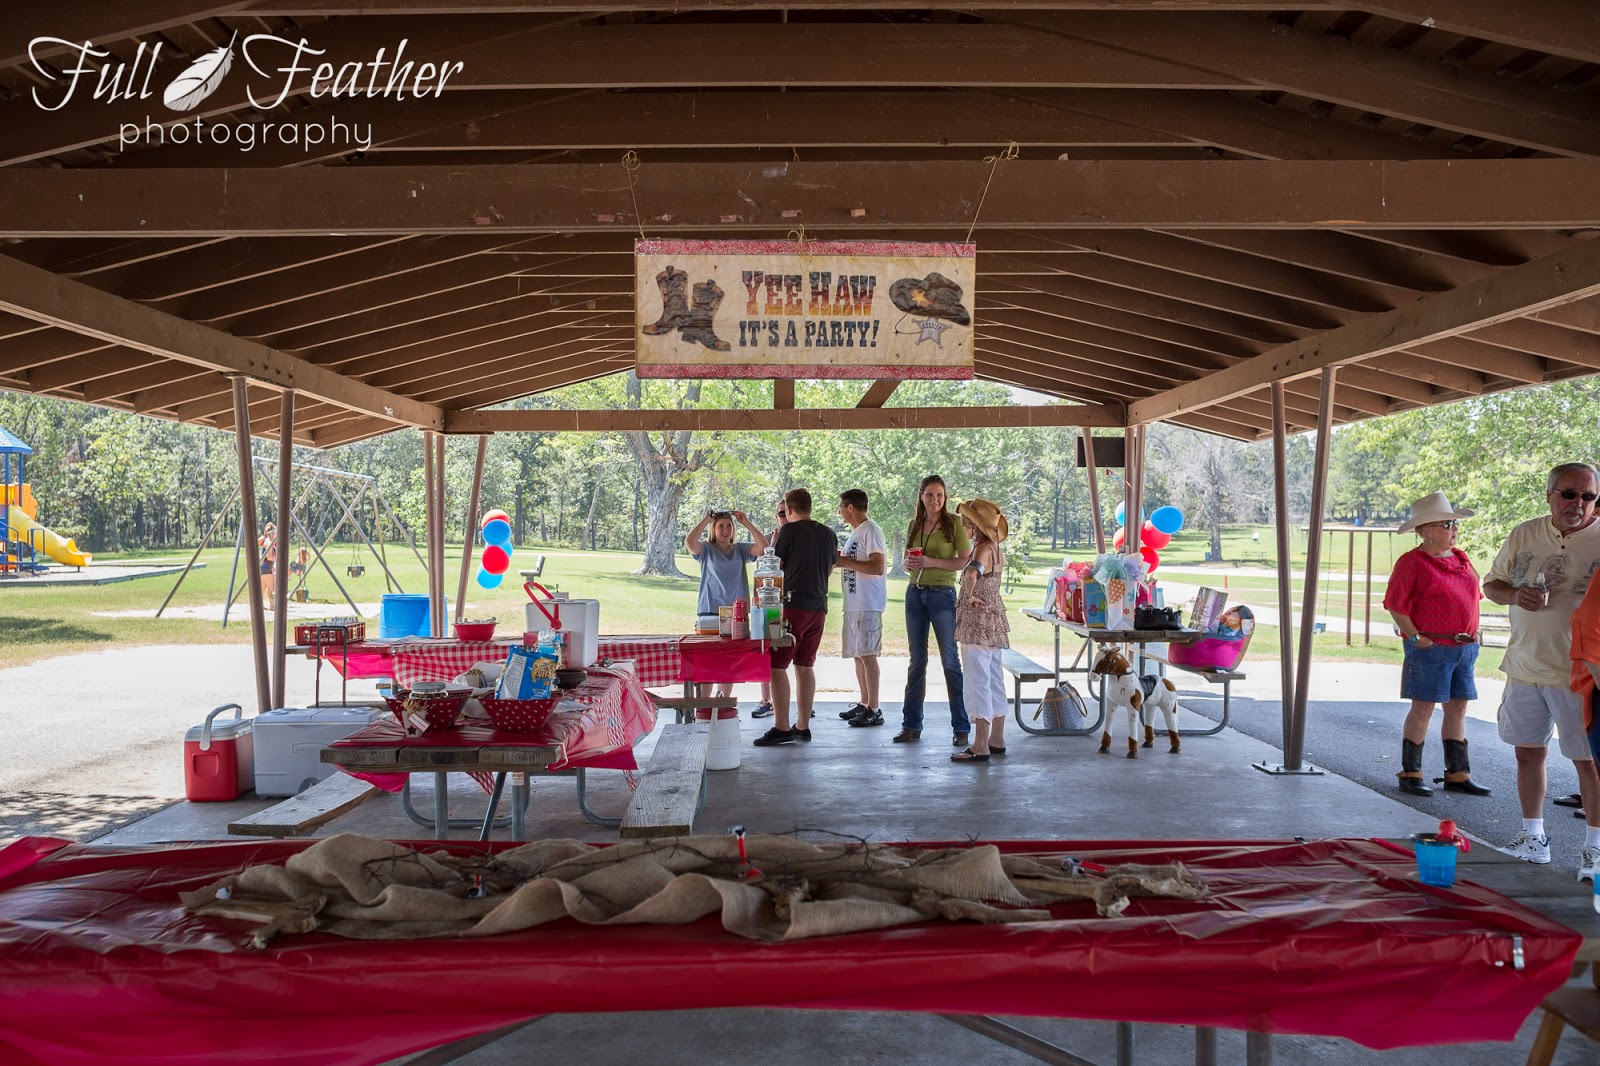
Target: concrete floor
856,781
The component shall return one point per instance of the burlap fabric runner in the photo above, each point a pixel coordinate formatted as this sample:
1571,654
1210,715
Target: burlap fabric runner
788,889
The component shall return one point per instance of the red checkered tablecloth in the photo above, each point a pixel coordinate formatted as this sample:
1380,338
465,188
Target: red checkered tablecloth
414,659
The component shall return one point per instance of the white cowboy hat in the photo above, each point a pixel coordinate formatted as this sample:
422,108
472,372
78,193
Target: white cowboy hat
1434,507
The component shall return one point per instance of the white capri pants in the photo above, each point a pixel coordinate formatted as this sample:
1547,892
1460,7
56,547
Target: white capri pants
985,683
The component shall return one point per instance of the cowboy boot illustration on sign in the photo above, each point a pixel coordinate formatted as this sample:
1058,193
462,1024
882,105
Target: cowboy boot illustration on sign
674,286
707,298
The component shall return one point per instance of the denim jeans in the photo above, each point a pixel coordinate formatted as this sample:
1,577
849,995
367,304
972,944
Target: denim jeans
933,606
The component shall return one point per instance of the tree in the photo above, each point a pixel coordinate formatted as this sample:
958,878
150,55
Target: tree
1205,475
664,467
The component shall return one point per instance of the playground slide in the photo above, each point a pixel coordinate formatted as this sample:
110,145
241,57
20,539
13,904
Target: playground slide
59,548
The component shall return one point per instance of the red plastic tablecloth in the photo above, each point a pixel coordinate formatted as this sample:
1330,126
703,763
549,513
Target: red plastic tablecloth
1333,937
417,659
711,659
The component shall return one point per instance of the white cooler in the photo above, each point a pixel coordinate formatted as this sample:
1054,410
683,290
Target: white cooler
289,743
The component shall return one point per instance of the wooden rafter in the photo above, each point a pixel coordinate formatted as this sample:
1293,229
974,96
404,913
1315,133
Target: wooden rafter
1554,279
844,418
1534,193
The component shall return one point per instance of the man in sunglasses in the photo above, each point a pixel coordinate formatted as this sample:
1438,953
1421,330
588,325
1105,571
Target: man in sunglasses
1542,573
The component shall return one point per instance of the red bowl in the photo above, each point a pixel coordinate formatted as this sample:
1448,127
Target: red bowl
475,631
440,712
519,716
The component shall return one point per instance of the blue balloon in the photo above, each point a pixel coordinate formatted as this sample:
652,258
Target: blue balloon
498,532
1122,510
488,580
1167,519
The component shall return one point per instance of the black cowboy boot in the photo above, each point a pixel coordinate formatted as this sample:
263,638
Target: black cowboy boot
1410,774
1457,772
707,298
674,286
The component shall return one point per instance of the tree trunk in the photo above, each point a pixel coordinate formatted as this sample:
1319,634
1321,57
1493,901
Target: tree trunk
588,525
661,470
1214,519
638,495
1055,516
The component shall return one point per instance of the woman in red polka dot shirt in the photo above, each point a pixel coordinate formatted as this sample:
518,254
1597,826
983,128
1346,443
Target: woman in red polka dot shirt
1433,596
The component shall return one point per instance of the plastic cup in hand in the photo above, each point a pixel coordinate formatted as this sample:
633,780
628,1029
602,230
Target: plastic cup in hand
1436,861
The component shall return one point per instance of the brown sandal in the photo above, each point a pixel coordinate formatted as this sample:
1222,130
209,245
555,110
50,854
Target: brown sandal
969,756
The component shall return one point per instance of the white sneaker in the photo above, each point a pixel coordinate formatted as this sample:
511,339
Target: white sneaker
1529,848
1588,863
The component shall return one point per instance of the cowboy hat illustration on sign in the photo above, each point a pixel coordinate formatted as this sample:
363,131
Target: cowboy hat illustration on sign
935,296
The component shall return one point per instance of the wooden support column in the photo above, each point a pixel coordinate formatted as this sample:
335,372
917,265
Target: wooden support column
280,589
1094,491
1366,628
250,536
1280,498
1295,742
1132,520
469,527
441,612
427,524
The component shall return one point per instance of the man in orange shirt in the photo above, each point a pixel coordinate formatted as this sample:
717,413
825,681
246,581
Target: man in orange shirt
1585,673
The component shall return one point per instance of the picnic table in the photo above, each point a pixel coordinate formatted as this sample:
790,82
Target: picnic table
407,660
1091,636
1326,937
595,726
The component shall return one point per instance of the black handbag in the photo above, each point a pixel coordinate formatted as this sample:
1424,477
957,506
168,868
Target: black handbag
1156,618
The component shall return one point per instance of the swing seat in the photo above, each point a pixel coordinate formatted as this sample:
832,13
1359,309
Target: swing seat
355,570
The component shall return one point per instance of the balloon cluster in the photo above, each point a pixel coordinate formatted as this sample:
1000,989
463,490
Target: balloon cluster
495,560
1155,532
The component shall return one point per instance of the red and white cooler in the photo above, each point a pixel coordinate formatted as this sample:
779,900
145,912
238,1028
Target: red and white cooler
219,757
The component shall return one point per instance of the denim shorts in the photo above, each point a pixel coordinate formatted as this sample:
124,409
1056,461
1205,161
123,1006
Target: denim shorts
1439,673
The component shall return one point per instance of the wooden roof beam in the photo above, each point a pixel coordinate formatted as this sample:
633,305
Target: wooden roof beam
1554,279
1561,27
878,393
1053,194
831,420
45,297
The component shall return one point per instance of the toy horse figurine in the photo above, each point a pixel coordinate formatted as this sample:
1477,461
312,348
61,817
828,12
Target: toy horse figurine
1124,688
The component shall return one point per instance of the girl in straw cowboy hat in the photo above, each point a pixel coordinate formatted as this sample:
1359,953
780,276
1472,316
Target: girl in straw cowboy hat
1433,596
981,630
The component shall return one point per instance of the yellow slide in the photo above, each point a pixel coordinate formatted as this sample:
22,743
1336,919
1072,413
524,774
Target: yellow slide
59,548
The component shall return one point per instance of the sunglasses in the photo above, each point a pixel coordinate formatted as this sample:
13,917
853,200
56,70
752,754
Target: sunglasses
1448,524
1574,494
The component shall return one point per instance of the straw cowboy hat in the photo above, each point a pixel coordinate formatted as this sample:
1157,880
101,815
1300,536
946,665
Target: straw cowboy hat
1434,507
987,517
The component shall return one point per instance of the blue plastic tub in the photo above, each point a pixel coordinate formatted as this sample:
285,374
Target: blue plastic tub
1436,862
405,614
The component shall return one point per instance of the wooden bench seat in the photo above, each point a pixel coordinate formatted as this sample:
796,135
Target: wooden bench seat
1573,1005
1225,678
298,815
672,786
1021,668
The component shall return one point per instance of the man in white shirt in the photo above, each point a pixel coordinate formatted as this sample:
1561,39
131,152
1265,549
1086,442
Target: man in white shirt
1542,573
866,593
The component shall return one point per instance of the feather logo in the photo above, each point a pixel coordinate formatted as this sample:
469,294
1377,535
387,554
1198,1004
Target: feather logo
200,80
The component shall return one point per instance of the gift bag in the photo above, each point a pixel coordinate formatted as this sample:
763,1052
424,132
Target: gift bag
1057,706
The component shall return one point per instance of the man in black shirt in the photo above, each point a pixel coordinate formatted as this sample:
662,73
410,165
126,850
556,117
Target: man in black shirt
808,550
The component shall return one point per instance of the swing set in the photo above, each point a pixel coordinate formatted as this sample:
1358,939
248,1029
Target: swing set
318,518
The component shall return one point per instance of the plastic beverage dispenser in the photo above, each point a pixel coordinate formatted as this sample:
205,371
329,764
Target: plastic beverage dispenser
768,593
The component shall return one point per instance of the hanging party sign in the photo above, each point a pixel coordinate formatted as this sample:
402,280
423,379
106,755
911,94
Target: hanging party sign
811,309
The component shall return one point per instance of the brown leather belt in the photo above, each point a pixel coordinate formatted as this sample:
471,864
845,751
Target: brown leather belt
1453,638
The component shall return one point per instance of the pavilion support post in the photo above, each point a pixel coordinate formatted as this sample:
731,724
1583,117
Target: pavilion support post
1350,590
441,627
249,537
1130,444
428,526
469,525
1132,520
280,588
1286,663
1094,491
1295,742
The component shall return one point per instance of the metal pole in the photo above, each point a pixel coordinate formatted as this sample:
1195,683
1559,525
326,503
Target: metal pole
1129,515
1294,750
427,511
1094,491
405,534
370,494
203,542
468,524
1133,519
1366,633
440,629
1350,591
1280,491
248,537
280,597
355,523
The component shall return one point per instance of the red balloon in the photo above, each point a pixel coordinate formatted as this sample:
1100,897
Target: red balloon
1153,537
490,516
1150,557
495,559
1121,537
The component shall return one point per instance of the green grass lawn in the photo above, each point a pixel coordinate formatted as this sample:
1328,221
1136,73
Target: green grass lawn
39,623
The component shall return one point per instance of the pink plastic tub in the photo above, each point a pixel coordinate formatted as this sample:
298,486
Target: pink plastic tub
1213,653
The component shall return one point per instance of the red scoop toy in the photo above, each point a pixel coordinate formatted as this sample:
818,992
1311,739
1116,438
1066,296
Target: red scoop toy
1449,834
